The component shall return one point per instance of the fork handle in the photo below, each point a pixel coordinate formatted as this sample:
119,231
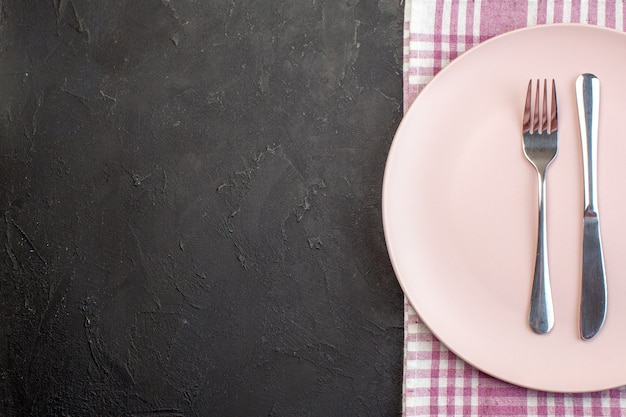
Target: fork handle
593,293
541,316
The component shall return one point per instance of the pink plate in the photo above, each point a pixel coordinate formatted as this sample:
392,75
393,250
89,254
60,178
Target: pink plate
460,208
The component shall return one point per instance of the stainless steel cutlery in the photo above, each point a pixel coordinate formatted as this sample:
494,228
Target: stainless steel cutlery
593,295
540,145
540,133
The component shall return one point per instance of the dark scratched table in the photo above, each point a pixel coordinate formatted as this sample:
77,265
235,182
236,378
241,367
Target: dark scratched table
190,208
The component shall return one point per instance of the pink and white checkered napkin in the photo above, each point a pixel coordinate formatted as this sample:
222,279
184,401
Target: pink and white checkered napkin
436,382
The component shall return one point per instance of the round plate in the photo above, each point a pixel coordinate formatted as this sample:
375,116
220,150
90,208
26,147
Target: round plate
460,208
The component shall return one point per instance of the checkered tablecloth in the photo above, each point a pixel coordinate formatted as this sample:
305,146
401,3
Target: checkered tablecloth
436,382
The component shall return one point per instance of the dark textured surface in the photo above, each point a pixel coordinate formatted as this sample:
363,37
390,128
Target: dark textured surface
190,196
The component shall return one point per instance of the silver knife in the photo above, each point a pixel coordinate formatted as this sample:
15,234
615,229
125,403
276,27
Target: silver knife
594,294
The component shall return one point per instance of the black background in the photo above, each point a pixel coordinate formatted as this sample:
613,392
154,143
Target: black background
190,201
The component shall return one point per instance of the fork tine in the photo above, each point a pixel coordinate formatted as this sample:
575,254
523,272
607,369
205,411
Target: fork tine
536,119
544,110
527,122
553,119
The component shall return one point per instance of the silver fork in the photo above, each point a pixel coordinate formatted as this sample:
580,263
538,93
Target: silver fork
540,147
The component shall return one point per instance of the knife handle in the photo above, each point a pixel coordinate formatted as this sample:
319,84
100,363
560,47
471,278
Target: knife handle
594,293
